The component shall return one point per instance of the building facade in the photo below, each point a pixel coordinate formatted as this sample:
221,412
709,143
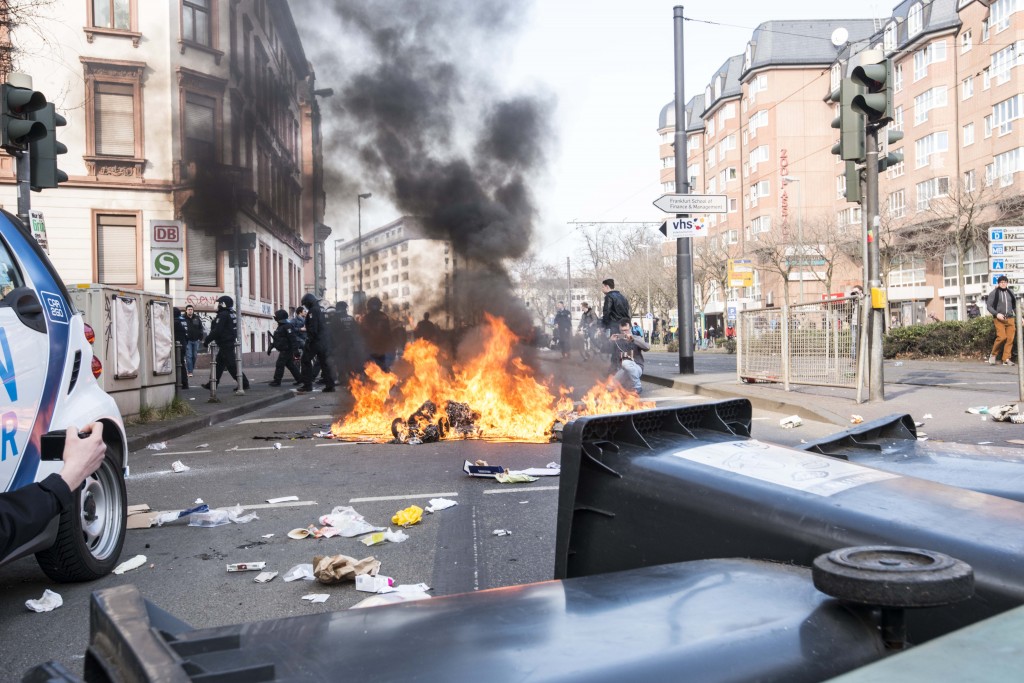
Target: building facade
199,111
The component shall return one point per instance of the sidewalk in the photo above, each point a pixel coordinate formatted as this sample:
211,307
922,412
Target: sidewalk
260,395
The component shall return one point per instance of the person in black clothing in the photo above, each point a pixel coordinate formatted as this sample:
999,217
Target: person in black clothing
376,328
181,339
425,329
195,337
616,308
317,345
26,512
563,328
223,333
349,354
286,344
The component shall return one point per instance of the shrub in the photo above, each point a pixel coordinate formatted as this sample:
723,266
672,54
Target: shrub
672,346
950,338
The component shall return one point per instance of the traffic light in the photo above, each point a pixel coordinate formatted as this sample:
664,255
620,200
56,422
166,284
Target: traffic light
875,102
849,123
43,152
891,158
16,105
852,182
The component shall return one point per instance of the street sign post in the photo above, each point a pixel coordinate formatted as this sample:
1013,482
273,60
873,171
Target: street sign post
1014,247
166,248
741,272
1005,263
684,227
1016,277
693,203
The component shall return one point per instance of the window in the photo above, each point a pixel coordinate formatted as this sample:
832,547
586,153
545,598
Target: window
668,162
112,14
850,216
195,22
727,143
694,143
1006,164
999,13
693,170
930,54
113,115
914,21
117,259
975,268
726,113
907,271
761,224
967,88
733,205
712,158
897,118
969,181
897,204
924,148
988,126
889,41
758,155
896,170
712,185
202,259
840,186
115,119
1004,60
758,84
928,100
758,120
965,41
929,190
835,76
984,30
897,78
969,134
1004,114
200,128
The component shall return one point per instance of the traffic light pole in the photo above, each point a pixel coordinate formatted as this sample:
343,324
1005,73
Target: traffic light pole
23,163
684,247
876,319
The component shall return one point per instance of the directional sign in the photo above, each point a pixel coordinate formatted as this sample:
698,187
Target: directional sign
1016,278
741,272
1006,233
1004,263
684,227
1015,248
693,203
168,264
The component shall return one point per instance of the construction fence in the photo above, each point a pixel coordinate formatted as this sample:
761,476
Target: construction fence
816,343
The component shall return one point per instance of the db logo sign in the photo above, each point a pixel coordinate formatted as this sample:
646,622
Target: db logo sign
166,233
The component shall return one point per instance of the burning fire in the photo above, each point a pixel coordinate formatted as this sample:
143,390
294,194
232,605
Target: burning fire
493,395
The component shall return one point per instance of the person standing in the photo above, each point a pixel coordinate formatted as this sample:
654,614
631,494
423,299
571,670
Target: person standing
1001,302
317,344
628,357
973,311
286,343
425,329
349,352
615,308
376,328
195,338
224,333
563,328
181,344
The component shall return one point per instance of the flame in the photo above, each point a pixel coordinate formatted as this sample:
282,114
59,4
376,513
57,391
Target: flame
493,395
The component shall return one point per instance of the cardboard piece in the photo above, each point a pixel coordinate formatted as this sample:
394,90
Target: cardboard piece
486,471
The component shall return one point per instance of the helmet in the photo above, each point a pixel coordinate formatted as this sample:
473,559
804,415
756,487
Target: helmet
225,302
374,304
309,299
280,315
342,307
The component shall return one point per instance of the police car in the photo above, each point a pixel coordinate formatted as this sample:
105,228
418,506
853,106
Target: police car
49,383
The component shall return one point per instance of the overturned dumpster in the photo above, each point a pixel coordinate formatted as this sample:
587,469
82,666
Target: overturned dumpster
659,486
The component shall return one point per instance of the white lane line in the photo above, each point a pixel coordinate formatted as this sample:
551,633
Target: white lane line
405,497
524,489
344,443
257,448
289,504
174,452
297,418
135,476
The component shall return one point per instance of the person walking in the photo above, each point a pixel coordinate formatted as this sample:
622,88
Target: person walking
563,328
286,342
181,344
628,357
1001,302
973,311
615,308
223,333
195,338
317,345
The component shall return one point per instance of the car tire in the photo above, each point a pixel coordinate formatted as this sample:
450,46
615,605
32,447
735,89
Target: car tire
92,530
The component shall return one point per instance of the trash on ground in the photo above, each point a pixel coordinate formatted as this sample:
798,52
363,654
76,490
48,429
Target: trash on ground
47,603
514,478
246,566
235,514
265,577
790,422
1019,442
1003,413
141,516
381,536
282,499
277,446
136,509
375,584
1017,419
209,519
179,466
199,501
437,504
203,445
898,363
392,598
501,532
171,515
298,534
299,571
338,568
316,598
553,465
984,443
978,410
409,516
328,532
926,416
157,446
267,536
131,564
538,472
856,419
919,424
348,522
483,470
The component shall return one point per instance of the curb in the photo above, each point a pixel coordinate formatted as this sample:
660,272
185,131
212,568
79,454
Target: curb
140,441
760,402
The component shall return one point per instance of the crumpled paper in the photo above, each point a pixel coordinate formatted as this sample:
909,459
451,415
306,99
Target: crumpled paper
409,516
514,478
337,568
236,516
440,504
299,571
49,602
179,466
381,536
131,564
348,522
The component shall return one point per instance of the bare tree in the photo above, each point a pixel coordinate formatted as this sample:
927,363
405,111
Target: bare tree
825,241
774,252
14,15
710,268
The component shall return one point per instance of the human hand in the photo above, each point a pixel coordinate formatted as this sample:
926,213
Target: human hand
1000,316
82,456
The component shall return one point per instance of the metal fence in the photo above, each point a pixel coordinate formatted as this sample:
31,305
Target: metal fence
814,343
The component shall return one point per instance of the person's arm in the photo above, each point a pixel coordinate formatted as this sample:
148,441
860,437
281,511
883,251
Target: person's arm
25,513
990,302
641,343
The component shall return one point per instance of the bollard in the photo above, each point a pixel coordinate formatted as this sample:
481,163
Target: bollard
213,375
178,370
240,389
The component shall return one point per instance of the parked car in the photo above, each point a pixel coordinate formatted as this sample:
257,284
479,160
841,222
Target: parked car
49,383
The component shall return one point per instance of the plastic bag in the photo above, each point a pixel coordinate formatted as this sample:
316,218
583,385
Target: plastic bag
409,516
348,522
209,519
236,516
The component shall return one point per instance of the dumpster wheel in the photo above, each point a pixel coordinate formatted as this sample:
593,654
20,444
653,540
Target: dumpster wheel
890,576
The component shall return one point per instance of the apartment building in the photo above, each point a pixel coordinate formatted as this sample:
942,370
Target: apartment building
958,93
199,111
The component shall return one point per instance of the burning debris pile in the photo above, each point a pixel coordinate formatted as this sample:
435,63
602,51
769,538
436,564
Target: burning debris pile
493,395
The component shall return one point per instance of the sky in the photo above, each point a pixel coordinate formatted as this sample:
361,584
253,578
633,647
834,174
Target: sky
610,65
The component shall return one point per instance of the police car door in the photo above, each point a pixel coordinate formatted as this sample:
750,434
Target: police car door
24,360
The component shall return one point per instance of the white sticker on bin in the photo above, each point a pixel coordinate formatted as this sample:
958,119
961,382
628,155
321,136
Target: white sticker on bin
817,474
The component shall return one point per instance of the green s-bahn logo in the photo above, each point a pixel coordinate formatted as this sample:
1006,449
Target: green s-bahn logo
167,263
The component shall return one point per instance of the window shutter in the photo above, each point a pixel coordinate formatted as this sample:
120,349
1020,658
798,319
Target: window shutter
202,258
115,119
199,117
116,253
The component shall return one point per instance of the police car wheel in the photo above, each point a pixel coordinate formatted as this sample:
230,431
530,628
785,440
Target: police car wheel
92,530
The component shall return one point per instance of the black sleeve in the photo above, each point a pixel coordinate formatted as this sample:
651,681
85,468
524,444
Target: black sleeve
25,513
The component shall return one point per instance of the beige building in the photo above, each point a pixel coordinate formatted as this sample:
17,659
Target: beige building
201,111
761,135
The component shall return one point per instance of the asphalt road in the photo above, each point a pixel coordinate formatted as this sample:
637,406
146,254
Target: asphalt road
453,550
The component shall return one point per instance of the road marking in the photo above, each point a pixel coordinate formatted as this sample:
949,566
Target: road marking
476,554
257,448
172,452
405,497
297,418
345,443
521,490
289,504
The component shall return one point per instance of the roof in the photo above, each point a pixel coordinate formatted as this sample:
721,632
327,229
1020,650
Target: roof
936,15
729,72
694,108
805,42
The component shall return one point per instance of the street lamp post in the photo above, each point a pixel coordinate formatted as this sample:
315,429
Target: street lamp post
799,228
647,269
359,215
